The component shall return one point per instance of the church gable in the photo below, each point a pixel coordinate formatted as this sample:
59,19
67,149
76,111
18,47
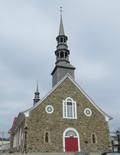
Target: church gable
68,88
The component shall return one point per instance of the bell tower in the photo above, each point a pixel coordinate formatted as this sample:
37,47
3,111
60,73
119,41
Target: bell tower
62,64
36,95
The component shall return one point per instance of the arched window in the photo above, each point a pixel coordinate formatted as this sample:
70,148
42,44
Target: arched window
93,138
58,55
62,54
70,133
46,137
69,109
61,40
65,54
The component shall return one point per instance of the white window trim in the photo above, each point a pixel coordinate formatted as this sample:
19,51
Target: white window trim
74,110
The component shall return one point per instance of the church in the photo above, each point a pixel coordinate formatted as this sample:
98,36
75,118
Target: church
66,119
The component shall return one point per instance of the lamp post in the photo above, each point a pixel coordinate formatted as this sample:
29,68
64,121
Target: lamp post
118,139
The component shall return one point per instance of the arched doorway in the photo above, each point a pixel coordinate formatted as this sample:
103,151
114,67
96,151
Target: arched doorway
71,142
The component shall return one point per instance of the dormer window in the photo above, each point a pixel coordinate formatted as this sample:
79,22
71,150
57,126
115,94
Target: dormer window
69,108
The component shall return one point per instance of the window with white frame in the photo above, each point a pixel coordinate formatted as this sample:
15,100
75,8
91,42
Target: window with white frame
69,108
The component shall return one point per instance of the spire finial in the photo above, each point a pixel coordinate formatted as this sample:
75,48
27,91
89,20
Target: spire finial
37,87
61,10
61,29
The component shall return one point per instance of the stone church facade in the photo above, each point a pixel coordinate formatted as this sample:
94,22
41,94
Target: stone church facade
66,119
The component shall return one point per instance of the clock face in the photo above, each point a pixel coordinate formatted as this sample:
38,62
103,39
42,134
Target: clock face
49,109
88,112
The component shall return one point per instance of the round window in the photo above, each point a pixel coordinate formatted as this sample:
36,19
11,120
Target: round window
88,112
49,109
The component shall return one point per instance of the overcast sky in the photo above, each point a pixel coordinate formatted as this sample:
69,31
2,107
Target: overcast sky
28,30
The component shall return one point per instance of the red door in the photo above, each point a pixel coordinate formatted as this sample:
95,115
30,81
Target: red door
71,144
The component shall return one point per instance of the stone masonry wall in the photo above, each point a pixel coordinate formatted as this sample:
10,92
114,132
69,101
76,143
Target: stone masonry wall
39,122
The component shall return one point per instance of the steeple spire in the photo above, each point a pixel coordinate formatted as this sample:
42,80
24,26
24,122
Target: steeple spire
36,95
37,87
62,64
61,29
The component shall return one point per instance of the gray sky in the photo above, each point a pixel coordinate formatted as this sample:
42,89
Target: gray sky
28,30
